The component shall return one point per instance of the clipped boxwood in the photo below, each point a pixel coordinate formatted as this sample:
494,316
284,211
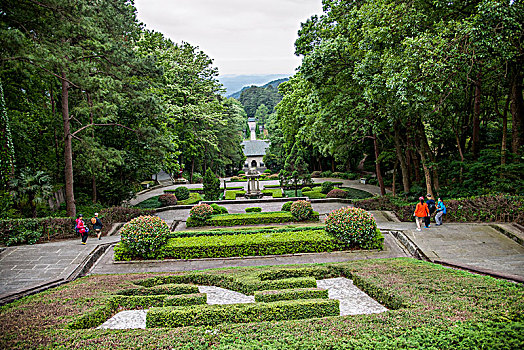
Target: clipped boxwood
314,194
253,210
326,187
275,193
242,231
318,272
247,219
268,296
145,236
286,206
337,193
209,315
182,193
167,199
233,194
278,243
172,289
218,209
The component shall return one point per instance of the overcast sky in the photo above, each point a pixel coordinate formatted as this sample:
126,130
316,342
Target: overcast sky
241,36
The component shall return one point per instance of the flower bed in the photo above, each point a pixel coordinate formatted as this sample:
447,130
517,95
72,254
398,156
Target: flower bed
247,219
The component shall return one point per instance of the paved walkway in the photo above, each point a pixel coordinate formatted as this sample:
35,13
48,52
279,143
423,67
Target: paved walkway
475,245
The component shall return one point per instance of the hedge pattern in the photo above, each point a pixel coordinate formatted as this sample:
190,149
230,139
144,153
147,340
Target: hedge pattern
247,219
168,289
210,315
241,231
260,244
268,296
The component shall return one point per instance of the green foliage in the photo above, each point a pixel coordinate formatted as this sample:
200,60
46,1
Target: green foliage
232,195
253,210
211,315
218,209
306,189
326,187
268,296
145,236
150,203
181,193
134,302
275,193
243,230
337,193
286,206
164,289
167,199
200,213
193,199
353,226
301,210
270,243
7,152
247,219
30,231
211,186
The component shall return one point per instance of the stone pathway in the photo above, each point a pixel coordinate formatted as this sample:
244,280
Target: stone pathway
353,301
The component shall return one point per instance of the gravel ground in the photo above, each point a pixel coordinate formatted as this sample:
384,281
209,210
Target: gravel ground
353,301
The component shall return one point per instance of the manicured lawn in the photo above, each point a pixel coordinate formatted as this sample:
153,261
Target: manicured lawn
431,307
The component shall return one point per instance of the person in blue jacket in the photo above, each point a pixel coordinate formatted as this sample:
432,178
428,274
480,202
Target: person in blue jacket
441,210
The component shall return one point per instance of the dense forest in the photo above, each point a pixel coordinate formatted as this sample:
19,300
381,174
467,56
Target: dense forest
426,95
94,103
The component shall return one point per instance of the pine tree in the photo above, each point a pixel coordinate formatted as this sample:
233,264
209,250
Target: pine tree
211,186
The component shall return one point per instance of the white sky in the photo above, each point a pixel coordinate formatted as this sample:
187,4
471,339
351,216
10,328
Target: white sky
241,36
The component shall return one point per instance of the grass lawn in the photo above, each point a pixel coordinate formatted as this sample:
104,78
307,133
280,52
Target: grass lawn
434,308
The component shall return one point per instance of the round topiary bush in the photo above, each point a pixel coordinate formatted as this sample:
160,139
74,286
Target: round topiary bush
167,199
145,236
337,193
306,189
182,193
315,174
201,212
286,206
326,187
353,226
301,210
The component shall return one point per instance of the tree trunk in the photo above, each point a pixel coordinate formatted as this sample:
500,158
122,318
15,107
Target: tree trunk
402,160
377,166
475,138
423,158
93,171
192,169
457,139
68,151
394,185
517,110
504,143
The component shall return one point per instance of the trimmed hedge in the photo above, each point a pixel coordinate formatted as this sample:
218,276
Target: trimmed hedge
193,199
168,289
253,210
268,296
241,231
319,272
232,195
275,193
218,209
210,315
92,318
286,206
312,241
314,194
30,231
133,302
247,219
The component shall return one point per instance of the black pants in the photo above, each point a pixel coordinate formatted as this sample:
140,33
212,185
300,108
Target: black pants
84,237
427,220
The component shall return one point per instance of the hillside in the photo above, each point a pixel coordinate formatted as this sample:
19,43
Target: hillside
274,83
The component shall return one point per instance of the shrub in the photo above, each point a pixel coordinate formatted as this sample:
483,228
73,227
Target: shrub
353,226
301,210
326,187
274,192
211,186
241,172
315,174
210,315
273,177
253,210
145,236
337,175
242,231
197,178
306,189
201,212
193,199
267,171
337,193
287,206
268,296
235,178
326,173
218,209
167,199
164,289
182,193
231,195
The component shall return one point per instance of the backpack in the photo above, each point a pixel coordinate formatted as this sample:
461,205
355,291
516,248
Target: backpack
93,221
432,208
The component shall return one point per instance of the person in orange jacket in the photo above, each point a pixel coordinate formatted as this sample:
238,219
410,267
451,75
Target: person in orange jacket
421,211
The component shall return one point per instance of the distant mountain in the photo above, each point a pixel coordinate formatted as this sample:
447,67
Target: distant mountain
234,83
274,83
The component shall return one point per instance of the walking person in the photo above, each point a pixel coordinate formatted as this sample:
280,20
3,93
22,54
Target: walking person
441,210
82,228
431,208
97,225
421,212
